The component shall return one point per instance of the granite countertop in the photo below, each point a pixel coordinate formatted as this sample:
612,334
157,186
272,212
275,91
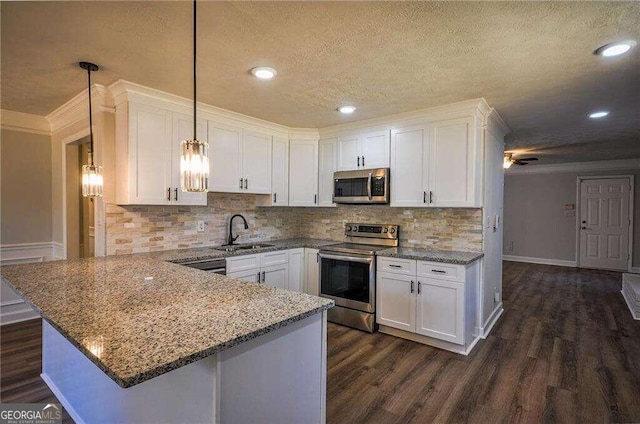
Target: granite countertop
152,316
200,253
433,255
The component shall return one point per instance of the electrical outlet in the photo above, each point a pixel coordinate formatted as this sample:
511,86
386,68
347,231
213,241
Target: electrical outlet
496,297
510,247
200,226
278,222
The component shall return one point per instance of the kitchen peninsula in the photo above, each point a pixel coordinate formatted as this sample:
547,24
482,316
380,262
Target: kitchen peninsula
135,338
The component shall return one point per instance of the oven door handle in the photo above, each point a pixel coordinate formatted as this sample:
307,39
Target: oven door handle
368,183
363,260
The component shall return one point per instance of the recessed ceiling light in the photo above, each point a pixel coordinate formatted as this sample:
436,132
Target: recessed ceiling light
615,49
346,109
264,72
599,114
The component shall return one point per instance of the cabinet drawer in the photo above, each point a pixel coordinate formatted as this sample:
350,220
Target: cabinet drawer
243,263
397,266
275,258
441,271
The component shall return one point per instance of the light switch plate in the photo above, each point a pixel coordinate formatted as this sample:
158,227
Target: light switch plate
200,226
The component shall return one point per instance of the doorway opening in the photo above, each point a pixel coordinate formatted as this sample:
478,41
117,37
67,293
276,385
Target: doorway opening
80,211
605,222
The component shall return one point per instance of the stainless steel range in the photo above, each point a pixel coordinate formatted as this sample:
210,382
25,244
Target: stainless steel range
348,273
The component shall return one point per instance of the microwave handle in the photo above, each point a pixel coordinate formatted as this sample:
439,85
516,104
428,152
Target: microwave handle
369,185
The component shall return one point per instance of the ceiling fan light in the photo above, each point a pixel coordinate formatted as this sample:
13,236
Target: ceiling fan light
507,161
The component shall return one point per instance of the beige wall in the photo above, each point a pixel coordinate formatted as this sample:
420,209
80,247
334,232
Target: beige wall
132,229
534,215
25,211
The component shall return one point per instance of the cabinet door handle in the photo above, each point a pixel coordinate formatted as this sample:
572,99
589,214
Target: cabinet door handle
358,161
430,197
424,197
275,197
412,283
439,271
176,195
419,286
169,194
240,183
264,276
395,266
246,184
363,161
318,257
258,278
315,199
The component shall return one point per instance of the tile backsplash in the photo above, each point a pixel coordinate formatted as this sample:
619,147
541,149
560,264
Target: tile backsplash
134,229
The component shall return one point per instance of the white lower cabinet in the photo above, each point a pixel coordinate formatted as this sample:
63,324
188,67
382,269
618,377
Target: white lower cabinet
296,268
429,299
270,268
311,272
440,310
396,304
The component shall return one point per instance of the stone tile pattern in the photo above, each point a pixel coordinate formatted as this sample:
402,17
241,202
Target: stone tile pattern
137,229
153,316
431,255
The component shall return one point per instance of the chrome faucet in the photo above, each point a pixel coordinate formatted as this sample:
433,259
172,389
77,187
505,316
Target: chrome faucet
231,238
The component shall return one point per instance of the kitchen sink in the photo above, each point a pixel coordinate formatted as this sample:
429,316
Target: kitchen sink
236,247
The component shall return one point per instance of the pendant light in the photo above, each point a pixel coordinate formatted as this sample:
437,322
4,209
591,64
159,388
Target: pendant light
194,160
92,181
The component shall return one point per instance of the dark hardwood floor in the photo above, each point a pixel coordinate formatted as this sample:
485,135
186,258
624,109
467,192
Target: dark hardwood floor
565,350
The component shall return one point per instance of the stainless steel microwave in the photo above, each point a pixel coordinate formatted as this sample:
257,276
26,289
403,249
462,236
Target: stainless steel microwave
361,186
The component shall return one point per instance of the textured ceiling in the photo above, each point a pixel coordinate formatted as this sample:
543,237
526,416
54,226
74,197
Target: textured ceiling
532,61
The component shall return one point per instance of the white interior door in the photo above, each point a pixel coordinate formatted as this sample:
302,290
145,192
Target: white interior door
604,223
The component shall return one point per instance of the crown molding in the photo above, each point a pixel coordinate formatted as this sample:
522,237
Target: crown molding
603,165
77,108
496,125
304,134
123,90
452,110
24,122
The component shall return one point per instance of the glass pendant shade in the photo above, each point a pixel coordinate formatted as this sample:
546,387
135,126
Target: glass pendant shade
92,182
194,165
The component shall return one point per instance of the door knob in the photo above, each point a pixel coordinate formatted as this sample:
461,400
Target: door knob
584,228
584,222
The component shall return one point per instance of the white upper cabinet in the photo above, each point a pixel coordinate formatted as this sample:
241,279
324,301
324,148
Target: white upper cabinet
280,172
435,165
409,166
183,130
148,156
363,151
256,163
303,173
453,165
240,160
327,152
375,149
225,158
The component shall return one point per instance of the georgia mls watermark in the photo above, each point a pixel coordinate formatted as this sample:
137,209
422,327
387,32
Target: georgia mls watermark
30,413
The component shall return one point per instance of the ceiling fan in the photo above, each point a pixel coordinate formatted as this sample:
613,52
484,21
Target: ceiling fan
509,160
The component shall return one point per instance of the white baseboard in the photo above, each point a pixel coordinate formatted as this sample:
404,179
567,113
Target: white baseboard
635,269
441,344
630,305
63,400
541,261
491,321
12,308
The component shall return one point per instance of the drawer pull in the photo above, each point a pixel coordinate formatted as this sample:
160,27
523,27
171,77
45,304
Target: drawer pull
439,271
412,283
395,266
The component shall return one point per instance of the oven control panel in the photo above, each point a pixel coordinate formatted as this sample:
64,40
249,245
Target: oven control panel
383,231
